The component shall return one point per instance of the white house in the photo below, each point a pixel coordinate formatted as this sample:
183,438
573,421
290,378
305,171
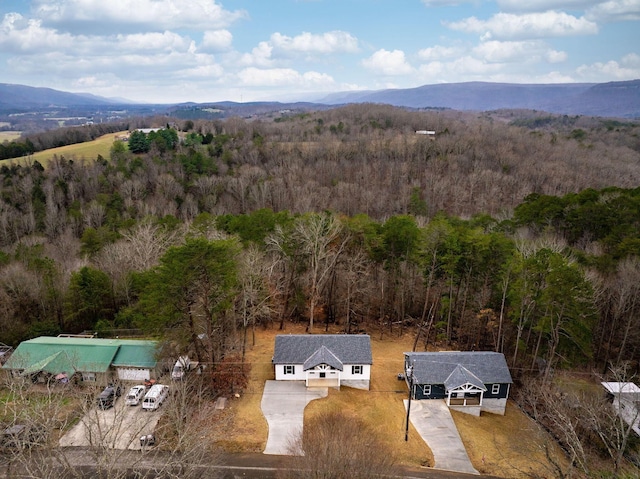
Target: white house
625,398
327,360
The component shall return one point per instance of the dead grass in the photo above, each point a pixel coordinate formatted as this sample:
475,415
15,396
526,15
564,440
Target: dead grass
504,446
88,150
511,446
9,135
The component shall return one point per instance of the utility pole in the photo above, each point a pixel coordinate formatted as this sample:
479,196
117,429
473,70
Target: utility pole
409,376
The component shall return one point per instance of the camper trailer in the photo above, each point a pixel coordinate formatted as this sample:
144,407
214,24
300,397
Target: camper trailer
155,397
183,364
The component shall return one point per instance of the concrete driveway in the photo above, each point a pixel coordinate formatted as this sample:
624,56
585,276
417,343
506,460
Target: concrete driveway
432,419
283,404
119,427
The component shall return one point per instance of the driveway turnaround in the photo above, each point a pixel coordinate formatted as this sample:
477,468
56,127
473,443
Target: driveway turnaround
283,404
432,419
119,427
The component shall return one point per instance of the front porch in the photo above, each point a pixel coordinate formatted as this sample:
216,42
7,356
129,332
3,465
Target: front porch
323,383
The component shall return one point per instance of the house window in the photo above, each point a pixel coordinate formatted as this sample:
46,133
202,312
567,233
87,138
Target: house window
495,389
88,376
289,369
426,389
356,369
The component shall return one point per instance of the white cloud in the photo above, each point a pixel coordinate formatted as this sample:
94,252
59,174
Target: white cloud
531,51
216,41
544,5
388,63
627,69
18,34
526,26
150,14
259,56
438,53
276,77
555,56
615,10
325,43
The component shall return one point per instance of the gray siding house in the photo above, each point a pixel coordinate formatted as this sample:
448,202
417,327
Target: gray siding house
469,381
324,360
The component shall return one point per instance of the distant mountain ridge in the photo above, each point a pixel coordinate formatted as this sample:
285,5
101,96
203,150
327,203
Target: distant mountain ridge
614,99
22,97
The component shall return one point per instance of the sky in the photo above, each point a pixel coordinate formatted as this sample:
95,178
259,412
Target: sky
168,51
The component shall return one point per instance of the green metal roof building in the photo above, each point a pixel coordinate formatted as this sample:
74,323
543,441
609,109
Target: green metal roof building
131,359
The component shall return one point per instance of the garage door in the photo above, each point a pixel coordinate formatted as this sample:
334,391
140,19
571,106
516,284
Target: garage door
133,374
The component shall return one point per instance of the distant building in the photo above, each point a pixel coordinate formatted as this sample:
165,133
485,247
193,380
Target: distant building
426,132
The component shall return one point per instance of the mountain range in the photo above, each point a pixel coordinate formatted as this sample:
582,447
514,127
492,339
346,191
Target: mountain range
613,99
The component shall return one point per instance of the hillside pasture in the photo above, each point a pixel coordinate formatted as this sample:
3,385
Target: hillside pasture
9,135
87,151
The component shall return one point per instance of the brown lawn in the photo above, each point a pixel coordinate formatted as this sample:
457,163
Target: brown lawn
505,446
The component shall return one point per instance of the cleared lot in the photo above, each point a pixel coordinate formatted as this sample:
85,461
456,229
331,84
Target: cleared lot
119,427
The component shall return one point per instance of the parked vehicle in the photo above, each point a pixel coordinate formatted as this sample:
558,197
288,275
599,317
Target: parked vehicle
108,396
135,395
155,397
183,364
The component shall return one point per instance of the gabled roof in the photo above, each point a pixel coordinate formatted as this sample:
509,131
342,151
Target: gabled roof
136,353
435,368
298,348
621,388
67,355
322,356
461,376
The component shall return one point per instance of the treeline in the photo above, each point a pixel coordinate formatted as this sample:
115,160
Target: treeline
487,237
472,284
55,138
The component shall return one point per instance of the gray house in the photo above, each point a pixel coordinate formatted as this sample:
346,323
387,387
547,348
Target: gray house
469,381
327,360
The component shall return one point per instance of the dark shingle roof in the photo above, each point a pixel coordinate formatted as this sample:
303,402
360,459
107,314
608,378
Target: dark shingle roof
461,376
322,356
435,368
298,348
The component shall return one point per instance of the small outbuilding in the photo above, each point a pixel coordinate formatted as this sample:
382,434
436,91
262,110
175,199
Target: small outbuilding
469,381
89,358
625,398
324,360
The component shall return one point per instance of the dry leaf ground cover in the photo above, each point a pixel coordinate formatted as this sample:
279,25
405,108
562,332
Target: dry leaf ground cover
507,446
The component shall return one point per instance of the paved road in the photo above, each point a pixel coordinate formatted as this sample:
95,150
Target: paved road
283,404
119,427
227,466
432,419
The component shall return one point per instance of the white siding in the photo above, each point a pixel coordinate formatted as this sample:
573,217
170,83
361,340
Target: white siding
133,374
298,376
345,374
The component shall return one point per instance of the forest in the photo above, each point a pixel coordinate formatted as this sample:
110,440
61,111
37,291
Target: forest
510,231
507,232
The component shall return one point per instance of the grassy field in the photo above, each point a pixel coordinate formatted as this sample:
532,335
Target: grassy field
81,151
505,446
9,135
